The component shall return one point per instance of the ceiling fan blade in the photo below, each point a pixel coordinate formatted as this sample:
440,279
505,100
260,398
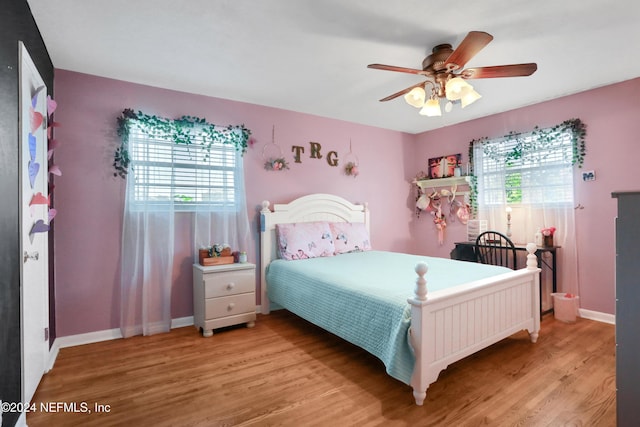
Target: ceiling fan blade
399,69
468,48
515,70
402,92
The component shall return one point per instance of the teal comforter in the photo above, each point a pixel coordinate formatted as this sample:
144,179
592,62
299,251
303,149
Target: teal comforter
362,297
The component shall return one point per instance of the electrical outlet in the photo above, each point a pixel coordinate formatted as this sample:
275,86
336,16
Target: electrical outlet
589,176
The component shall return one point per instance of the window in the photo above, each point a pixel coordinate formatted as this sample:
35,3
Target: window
530,169
193,174
523,183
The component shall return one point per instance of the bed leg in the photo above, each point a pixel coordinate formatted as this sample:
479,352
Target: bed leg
419,396
532,264
421,378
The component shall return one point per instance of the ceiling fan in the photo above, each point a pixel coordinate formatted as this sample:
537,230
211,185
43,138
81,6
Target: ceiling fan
442,71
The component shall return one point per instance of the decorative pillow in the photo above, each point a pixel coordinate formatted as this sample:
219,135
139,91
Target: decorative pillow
304,240
350,237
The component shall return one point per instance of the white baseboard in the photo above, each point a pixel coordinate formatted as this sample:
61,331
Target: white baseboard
98,336
598,316
53,355
181,322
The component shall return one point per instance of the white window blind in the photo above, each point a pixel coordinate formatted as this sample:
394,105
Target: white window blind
525,169
187,174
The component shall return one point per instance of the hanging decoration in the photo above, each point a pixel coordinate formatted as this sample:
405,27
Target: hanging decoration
439,219
52,144
441,223
37,120
457,209
352,165
276,162
443,205
181,131
422,201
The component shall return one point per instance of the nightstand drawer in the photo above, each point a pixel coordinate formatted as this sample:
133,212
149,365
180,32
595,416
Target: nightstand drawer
230,305
229,283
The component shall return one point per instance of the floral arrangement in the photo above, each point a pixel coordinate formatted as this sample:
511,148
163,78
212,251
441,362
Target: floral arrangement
351,169
276,164
547,235
217,250
548,231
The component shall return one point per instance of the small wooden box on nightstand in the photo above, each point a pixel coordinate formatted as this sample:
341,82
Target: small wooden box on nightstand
223,295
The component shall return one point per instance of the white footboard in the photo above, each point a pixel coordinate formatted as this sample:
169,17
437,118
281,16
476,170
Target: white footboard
447,326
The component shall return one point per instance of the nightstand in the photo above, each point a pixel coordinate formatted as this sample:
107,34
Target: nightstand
223,295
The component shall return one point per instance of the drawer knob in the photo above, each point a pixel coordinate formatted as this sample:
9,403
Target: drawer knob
231,286
230,306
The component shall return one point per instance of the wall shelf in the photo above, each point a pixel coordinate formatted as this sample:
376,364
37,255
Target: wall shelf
442,182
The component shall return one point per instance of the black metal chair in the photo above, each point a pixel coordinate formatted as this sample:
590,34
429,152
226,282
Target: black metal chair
495,248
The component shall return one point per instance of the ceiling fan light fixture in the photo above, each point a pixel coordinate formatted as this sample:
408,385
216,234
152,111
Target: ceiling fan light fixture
446,73
455,88
431,108
470,96
415,97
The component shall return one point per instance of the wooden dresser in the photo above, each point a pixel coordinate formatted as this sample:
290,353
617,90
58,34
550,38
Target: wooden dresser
223,295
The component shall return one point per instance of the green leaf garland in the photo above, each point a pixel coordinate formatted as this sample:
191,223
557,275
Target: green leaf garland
181,131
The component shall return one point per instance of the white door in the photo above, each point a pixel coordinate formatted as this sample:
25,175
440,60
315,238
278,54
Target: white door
34,283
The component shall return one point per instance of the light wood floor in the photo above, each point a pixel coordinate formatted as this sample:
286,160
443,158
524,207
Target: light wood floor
288,372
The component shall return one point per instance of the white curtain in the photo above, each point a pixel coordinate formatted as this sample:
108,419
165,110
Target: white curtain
147,264
203,179
546,200
226,220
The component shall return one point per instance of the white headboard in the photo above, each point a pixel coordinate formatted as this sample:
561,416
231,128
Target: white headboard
314,207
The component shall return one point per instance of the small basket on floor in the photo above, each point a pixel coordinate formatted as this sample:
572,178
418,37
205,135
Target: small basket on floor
565,307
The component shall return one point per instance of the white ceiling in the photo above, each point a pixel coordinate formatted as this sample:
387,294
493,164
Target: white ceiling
311,56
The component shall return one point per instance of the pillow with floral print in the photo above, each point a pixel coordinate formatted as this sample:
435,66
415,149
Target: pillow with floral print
350,237
304,240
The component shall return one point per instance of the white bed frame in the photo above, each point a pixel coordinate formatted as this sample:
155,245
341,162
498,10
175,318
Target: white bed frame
446,325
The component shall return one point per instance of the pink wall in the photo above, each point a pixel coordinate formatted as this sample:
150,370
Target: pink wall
89,199
611,114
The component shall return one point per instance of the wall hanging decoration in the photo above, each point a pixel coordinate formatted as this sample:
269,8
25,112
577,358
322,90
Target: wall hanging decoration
445,166
457,208
439,219
352,165
37,127
455,202
276,161
315,152
441,222
422,201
